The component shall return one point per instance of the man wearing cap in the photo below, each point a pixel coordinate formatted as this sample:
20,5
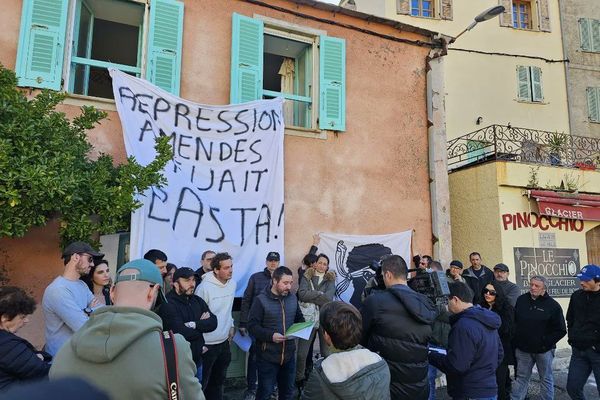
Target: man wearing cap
120,348
67,301
218,291
540,325
188,314
256,284
511,291
456,274
583,321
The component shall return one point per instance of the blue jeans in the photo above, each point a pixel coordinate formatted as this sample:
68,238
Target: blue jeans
432,374
199,371
525,363
583,362
270,374
482,398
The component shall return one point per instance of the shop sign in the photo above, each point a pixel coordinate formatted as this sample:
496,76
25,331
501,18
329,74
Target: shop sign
568,211
558,266
547,239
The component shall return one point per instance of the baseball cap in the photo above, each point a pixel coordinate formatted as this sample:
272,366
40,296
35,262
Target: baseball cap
456,263
183,272
80,247
273,256
501,267
589,272
147,272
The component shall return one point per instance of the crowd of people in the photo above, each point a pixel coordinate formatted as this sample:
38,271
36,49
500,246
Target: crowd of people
161,331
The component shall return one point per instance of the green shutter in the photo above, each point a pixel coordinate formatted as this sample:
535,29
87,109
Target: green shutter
164,44
595,28
585,34
593,101
523,79
536,84
246,59
332,84
42,43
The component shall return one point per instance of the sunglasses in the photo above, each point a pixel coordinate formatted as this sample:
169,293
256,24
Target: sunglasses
490,292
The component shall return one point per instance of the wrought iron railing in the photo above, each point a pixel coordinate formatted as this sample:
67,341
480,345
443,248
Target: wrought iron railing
501,142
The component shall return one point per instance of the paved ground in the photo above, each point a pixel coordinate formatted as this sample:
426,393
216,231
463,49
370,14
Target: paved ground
235,387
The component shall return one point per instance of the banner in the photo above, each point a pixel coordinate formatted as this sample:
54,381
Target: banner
351,257
225,181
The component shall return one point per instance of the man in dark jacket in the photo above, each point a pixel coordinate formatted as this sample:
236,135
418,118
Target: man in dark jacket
397,325
256,285
480,271
188,314
540,325
583,321
272,313
474,348
456,274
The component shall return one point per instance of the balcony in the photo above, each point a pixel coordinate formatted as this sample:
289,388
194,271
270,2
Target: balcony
507,143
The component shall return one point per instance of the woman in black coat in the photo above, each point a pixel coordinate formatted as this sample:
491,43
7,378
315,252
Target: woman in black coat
19,360
493,298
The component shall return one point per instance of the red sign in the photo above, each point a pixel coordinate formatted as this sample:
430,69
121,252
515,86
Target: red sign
568,211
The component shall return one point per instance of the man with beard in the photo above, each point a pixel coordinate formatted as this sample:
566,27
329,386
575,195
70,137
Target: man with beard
187,314
272,313
67,301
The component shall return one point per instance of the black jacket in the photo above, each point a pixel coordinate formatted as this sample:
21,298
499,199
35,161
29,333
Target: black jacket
539,323
274,314
256,284
583,320
180,309
472,282
487,276
506,312
19,361
397,325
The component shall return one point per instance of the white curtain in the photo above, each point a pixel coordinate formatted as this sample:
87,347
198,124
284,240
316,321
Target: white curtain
287,86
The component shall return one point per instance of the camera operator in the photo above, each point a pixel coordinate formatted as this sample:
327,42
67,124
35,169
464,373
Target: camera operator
397,325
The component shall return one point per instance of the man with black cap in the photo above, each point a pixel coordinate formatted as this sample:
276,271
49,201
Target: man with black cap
67,301
456,274
256,284
511,291
188,314
123,350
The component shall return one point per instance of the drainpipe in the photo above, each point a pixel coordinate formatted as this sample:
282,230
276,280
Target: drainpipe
438,160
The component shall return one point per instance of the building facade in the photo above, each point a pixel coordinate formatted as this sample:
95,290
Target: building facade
353,163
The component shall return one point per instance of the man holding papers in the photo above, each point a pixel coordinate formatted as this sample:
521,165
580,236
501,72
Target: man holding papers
273,312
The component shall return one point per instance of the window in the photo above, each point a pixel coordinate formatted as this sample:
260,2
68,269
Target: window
74,55
593,100
422,8
521,14
307,69
589,30
530,84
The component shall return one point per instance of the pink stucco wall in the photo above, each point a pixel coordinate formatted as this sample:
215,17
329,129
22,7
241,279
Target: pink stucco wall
371,179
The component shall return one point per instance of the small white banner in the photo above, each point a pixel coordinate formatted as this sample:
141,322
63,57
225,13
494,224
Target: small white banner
351,257
225,182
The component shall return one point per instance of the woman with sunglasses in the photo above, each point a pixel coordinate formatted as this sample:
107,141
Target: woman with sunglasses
493,298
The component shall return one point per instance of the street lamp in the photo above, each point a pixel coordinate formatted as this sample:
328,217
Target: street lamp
483,16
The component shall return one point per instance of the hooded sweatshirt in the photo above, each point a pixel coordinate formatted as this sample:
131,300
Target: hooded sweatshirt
219,297
397,325
474,353
357,374
119,350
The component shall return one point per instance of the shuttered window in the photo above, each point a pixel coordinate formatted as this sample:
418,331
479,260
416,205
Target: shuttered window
106,34
441,9
526,14
268,62
589,31
593,101
530,84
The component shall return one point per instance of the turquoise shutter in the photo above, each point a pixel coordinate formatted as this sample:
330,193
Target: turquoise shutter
585,34
247,44
42,43
523,79
595,28
536,84
164,45
593,104
332,84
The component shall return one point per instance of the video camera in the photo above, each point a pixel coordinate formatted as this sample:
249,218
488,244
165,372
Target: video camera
432,284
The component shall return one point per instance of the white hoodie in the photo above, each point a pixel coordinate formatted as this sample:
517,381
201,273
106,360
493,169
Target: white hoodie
219,298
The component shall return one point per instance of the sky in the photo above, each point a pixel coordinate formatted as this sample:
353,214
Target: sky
336,2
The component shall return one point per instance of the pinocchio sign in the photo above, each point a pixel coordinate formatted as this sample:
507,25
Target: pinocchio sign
522,220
